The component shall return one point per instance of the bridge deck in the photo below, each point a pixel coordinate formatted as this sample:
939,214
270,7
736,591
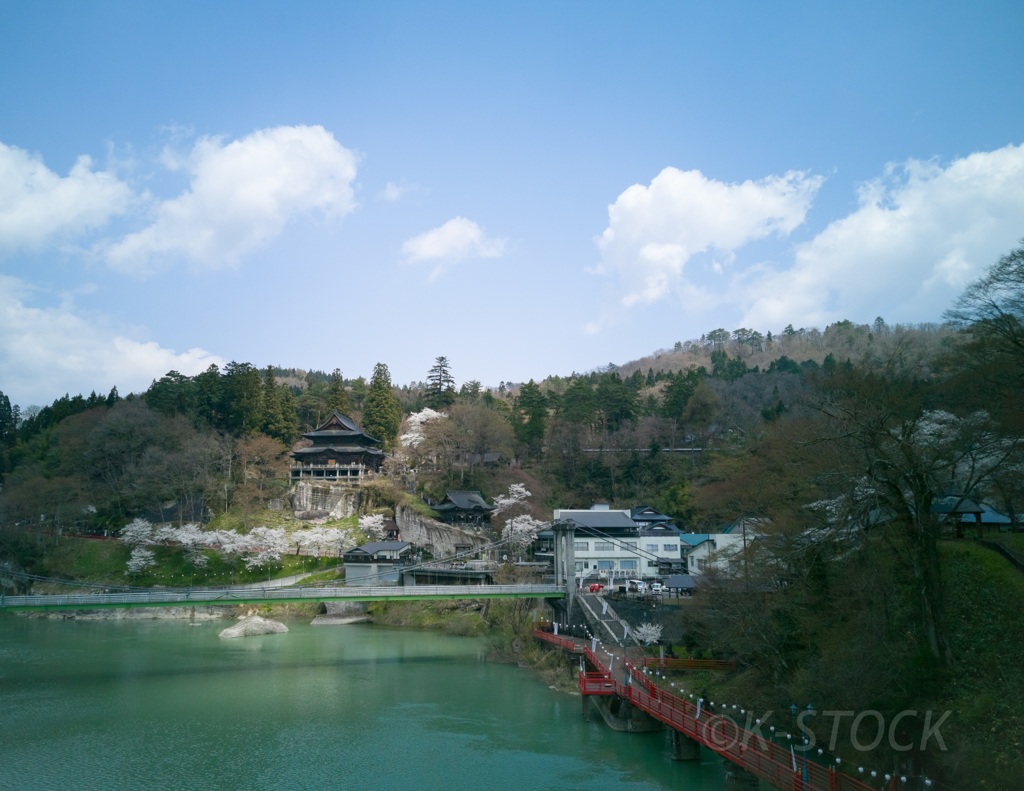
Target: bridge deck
231,596
776,765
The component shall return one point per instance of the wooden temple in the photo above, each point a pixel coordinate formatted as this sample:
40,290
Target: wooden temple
341,453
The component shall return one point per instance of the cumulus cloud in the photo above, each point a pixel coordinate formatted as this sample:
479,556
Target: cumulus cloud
37,206
921,233
654,230
456,240
49,351
240,196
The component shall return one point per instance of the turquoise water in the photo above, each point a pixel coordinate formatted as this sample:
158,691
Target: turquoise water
167,705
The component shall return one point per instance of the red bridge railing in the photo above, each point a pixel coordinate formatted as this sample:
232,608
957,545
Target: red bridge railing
747,749
689,664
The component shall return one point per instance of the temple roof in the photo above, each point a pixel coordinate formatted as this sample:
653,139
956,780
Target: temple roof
463,501
340,449
338,426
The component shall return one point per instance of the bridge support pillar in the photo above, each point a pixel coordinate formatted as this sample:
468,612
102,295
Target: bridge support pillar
739,779
683,747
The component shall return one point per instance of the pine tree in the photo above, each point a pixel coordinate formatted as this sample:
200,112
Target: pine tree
243,388
529,421
279,413
337,395
440,385
382,412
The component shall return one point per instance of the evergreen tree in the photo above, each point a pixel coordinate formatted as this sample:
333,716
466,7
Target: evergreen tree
173,393
578,403
209,397
337,395
243,390
7,425
440,385
529,419
382,412
279,412
616,401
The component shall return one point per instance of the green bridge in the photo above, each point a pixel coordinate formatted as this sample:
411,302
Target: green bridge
216,597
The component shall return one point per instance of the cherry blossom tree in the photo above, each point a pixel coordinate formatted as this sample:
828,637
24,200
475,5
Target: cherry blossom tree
648,633
138,533
322,540
517,493
192,540
520,531
373,526
413,436
140,560
266,545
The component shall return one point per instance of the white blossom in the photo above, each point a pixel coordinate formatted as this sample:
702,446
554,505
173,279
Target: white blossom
266,545
138,533
191,539
517,493
520,531
373,526
140,560
321,540
648,633
414,425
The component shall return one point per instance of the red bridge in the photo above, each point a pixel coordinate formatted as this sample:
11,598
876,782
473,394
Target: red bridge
749,750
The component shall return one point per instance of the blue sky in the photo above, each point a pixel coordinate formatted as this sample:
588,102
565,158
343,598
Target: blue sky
527,189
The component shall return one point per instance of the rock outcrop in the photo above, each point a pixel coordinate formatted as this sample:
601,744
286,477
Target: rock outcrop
435,536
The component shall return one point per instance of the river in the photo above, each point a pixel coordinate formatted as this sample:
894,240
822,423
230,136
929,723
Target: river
168,705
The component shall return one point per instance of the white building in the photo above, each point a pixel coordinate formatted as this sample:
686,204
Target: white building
614,545
723,552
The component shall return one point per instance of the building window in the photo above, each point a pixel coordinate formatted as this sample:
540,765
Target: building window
702,564
603,546
651,547
629,544
581,546
670,547
627,565
605,565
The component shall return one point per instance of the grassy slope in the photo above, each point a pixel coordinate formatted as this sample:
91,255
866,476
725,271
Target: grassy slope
88,560
985,731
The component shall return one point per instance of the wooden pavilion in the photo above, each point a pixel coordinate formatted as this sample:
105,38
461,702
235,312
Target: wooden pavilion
340,453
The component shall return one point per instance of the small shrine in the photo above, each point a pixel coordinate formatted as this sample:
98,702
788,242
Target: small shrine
464,508
340,453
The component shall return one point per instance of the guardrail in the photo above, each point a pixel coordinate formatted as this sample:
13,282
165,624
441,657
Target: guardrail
671,663
231,596
748,749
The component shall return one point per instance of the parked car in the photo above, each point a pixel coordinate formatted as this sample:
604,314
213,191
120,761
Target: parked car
657,588
637,586
595,587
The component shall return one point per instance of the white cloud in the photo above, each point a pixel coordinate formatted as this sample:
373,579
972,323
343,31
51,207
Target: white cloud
240,197
37,206
653,231
920,234
456,240
49,351
391,193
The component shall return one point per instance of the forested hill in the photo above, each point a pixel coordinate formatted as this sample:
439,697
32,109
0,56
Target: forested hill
851,454
595,436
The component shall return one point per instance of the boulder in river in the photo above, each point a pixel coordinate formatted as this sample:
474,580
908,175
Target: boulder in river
253,624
